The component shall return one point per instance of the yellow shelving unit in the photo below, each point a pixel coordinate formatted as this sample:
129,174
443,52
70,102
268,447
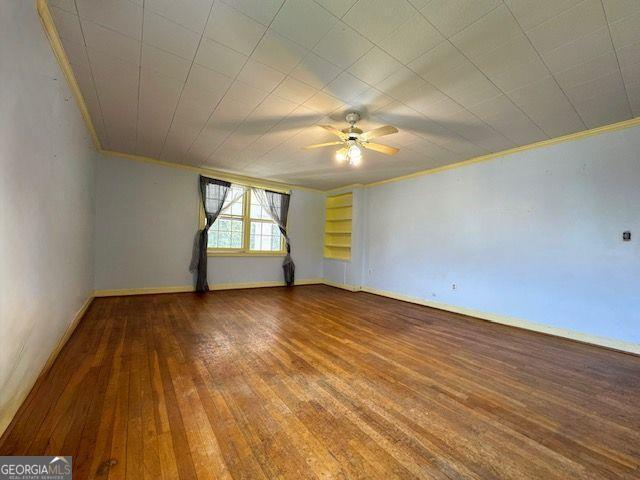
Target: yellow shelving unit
337,227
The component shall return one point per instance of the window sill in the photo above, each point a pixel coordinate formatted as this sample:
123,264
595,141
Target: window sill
243,253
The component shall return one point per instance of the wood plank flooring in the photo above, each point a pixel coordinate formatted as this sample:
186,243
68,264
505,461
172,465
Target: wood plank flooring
316,382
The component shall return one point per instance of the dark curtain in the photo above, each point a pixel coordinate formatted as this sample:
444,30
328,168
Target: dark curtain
213,194
277,204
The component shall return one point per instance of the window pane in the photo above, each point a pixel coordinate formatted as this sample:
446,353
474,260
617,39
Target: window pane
224,224
226,232
265,236
234,204
224,239
236,239
257,211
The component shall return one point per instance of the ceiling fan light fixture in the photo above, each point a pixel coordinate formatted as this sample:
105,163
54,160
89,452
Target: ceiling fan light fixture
354,151
353,141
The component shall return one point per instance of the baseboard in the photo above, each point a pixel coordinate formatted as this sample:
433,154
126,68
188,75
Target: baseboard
143,291
7,417
610,343
235,286
344,286
190,288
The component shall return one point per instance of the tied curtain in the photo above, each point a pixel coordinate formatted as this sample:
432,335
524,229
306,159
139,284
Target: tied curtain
214,195
277,205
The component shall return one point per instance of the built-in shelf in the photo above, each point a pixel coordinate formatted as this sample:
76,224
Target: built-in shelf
337,229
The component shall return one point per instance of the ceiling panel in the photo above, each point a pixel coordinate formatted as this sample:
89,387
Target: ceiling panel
260,76
262,11
191,14
303,21
374,66
170,36
241,85
233,28
578,21
220,58
315,71
531,13
513,64
68,25
411,39
165,63
278,52
337,7
295,90
342,46
451,16
119,15
346,87
377,19
578,51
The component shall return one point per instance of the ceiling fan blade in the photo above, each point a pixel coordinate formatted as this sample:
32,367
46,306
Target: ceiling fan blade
318,145
335,131
377,147
378,132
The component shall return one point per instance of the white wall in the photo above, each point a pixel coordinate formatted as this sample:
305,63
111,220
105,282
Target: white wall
46,205
535,235
146,220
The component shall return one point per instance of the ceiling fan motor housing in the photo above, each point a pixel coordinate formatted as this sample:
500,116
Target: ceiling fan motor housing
352,117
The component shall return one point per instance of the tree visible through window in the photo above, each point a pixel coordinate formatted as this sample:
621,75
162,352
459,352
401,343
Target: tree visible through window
229,231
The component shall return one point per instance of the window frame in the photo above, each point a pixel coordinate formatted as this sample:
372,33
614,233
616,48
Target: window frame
245,251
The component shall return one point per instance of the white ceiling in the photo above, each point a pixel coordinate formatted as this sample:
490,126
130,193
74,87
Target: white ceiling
238,85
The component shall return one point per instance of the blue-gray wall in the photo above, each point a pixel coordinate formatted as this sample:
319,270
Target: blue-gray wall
46,204
146,219
535,235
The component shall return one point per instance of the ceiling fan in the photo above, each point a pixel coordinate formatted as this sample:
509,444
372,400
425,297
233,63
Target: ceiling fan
355,140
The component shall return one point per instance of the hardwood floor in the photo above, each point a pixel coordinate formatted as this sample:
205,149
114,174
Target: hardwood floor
316,382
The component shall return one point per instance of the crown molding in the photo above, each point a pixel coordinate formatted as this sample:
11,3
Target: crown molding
51,32
633,122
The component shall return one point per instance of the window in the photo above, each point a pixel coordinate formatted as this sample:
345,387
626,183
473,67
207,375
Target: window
265,235
244,227
227,230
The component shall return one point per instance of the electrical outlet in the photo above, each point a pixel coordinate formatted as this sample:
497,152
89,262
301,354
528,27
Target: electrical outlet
453,286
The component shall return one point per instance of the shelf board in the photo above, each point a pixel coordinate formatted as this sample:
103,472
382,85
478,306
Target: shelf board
333,245
338,233
340,206
337,219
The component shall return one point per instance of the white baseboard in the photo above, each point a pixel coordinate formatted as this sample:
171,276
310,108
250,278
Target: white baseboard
190,288
611,343
344,286
143,291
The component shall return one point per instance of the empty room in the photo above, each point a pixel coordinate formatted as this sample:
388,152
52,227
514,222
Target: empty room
320,239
